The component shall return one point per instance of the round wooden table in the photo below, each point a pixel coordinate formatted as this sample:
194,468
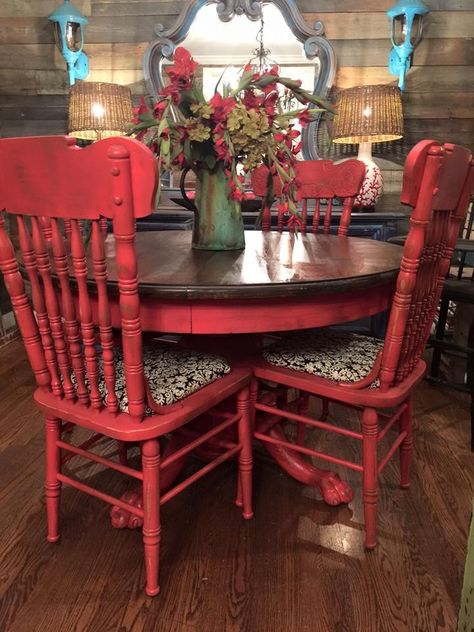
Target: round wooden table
278,282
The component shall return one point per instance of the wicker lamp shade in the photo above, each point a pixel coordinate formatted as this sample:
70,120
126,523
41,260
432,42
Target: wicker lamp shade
369,114
99,110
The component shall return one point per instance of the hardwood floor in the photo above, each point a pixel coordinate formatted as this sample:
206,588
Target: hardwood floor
298,566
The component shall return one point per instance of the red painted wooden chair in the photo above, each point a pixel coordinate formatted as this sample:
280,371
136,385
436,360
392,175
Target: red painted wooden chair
369,374
128,392
317,180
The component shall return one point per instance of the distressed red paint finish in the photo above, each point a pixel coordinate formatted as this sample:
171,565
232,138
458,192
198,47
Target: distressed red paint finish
54,189
317,180
438,181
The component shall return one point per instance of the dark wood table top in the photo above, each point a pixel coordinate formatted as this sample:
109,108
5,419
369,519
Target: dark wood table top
272,265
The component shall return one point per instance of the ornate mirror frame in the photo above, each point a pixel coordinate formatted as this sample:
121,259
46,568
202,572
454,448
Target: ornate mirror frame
315,45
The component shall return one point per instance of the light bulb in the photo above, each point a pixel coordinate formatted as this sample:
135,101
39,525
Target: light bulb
98,110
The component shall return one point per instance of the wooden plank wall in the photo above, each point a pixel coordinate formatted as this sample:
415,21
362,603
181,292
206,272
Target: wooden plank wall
439,95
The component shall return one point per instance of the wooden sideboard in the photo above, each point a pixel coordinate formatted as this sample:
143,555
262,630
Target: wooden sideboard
388,220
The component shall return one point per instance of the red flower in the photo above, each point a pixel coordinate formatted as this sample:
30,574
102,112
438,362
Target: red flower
270,101
295,222
221,149
296,149
292,134
304,118
180,160
221,107
251,100
282,208
236,194
171,91
159,108
181,72
141,109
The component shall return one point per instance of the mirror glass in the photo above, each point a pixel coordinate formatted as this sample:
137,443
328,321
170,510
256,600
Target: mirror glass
223,54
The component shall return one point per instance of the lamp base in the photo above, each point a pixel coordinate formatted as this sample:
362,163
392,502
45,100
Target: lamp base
372,186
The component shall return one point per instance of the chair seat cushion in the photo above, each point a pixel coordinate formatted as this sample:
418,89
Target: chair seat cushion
172,374
328,353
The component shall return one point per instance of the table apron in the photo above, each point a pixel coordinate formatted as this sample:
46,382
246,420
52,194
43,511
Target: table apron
217,316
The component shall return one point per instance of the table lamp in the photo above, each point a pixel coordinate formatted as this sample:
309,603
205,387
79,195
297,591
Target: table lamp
99,110
366,115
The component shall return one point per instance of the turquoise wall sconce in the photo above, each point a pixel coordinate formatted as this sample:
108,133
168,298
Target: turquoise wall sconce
407,28
68,23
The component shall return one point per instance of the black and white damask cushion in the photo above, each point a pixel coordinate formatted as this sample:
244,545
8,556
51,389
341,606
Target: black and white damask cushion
328,353
172,374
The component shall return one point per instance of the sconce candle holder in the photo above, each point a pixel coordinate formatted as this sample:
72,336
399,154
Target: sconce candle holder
407,28
69,23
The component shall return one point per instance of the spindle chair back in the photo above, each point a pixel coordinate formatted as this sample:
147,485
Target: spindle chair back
319,183
62,197
373,376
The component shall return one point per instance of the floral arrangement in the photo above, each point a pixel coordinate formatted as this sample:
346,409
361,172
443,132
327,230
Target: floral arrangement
242,127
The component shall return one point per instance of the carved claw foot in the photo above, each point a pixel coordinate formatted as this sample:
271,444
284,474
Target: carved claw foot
334,490
123,519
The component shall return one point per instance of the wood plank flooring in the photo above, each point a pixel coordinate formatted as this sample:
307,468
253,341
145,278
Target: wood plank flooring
299,566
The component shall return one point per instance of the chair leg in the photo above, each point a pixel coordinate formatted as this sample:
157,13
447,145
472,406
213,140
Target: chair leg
245,456
151,513
406,425
252,400
369,462
52,485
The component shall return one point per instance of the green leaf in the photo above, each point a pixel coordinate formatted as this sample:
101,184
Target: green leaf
164,123
165,147
187,150
147,117
245,81
266,80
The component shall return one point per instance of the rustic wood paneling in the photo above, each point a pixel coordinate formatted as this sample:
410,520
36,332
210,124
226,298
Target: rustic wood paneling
447,79
100,29
439,98
33,82
33,128
139,28
423,105
434,80
376,25
430,52
29,8
358,6
36,107
47,56
454,130
153,8
129,56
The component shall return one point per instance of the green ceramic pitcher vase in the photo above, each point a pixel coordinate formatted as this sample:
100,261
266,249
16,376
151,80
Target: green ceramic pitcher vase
218,223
